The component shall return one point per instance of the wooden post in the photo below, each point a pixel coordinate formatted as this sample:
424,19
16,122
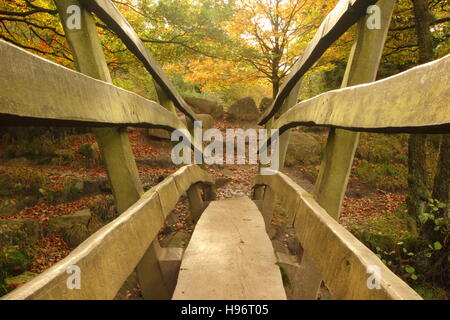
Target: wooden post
258,193
150,275
332,182
114,143
267,207
196,203
163,99
284,138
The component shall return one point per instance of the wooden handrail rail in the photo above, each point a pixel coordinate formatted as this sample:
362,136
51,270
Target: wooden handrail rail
108,257
342,260
35,91
109,14
341,18
392,105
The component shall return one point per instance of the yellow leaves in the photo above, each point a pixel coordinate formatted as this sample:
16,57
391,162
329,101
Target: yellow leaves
216,74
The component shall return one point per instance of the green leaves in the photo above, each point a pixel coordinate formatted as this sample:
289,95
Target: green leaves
437,245
410,269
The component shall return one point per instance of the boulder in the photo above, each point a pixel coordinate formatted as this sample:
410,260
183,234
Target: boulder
9,207
76,234
80,217
91,154
19,231
244,109
204,106
74,227
87,150
207,121
303,149
65,154
265,104
159,134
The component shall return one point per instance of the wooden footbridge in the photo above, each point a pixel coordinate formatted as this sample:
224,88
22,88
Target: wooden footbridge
230,255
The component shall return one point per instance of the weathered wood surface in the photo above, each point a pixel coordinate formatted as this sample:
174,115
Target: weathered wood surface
35,91
230,256
414,101
108,257
109,14
342,259
341,18
337,160
114,143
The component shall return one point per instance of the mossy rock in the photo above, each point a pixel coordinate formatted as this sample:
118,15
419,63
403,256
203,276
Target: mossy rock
74,227
18,180
90,151
19,231
65,154
76,234
303,149
86,150
73,189
265,104
207,121
104,209
62,223
20,279
205,106
244,109
9,207
159,134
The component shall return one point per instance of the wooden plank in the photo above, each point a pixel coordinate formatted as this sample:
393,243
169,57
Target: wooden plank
328,243
230,256
341,18
109,14
415,101
37,92
108,257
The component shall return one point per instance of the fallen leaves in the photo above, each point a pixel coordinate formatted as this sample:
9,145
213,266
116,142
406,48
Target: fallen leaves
43,211
357,210
48,251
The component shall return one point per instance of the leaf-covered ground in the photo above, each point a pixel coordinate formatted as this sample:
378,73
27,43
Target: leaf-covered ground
363,200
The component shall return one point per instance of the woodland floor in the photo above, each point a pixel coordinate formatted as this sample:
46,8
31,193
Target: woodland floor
362,200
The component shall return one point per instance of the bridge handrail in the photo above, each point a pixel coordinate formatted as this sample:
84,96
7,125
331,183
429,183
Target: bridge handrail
74,99
108,13
339,20
342,260
109,256
392,105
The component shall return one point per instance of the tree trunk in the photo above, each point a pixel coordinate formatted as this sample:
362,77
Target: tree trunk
275,86
441,186
417,180
418,191
423,22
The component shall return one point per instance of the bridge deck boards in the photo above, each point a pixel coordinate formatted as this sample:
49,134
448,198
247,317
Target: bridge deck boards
230,256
